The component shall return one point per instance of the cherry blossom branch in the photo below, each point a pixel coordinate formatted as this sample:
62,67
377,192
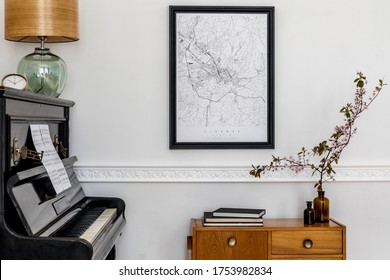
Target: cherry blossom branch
329,151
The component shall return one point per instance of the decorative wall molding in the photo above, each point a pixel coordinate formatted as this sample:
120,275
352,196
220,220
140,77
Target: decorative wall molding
222,174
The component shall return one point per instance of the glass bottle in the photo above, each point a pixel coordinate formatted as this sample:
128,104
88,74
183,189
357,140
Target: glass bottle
308,214
321,208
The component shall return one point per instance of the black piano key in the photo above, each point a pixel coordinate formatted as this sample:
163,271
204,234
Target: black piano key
77,226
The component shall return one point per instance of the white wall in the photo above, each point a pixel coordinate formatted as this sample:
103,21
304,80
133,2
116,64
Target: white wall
118,77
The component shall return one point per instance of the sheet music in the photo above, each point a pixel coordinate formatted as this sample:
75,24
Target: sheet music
50,159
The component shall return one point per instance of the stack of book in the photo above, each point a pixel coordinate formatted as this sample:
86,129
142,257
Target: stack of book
234,217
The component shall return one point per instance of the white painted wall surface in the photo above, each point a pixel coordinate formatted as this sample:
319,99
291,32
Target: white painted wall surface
118,77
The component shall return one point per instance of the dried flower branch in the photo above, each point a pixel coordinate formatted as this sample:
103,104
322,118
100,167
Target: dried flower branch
328,151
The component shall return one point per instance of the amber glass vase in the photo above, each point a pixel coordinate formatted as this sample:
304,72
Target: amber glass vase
321,208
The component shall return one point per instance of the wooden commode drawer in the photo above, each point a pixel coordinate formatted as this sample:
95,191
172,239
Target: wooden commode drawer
307,242
223,245
277,239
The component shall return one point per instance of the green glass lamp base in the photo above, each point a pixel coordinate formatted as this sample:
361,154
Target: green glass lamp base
45,72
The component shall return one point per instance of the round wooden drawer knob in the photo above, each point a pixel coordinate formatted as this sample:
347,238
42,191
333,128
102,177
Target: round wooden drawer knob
307,243
232,242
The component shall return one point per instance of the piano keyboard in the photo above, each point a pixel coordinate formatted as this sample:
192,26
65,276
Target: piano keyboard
89,224
99,224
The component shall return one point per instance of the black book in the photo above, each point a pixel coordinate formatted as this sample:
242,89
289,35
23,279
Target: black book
210,218
232,224
239,212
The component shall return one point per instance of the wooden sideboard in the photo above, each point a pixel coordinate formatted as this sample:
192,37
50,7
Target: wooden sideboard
278,239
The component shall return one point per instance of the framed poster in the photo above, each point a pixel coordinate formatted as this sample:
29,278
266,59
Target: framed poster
221,77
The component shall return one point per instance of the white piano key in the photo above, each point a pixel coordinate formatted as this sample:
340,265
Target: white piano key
98,226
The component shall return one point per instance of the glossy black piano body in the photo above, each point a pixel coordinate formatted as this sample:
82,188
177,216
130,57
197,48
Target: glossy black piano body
32,214
44,214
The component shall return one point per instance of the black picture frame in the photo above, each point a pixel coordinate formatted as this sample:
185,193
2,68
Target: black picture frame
221,77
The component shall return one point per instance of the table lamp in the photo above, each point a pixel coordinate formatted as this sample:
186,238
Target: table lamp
42,21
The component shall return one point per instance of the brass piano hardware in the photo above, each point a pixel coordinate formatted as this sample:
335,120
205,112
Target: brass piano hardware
59,147
307,243
23,152
232,241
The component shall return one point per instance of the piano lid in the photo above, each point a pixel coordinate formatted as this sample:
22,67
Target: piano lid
35,200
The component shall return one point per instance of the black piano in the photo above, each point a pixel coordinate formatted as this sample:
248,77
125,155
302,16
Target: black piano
36,222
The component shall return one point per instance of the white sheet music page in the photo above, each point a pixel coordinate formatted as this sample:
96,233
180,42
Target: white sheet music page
50,159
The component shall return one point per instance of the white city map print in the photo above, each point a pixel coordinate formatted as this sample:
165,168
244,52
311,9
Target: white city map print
221,77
